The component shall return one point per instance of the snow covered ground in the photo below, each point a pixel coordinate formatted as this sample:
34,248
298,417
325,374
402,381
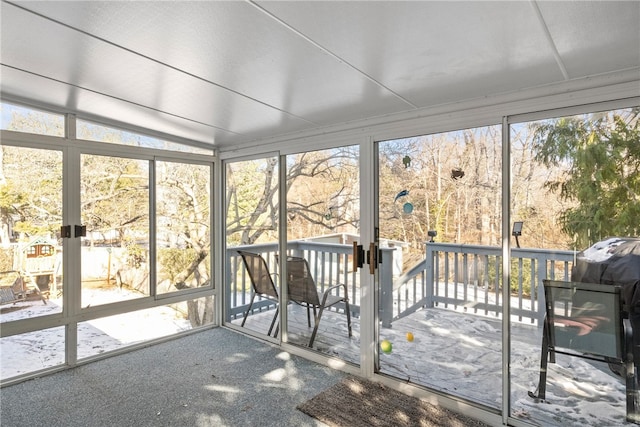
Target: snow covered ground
462,355
453,352
37,350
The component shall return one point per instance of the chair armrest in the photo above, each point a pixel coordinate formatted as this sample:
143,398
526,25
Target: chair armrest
327,291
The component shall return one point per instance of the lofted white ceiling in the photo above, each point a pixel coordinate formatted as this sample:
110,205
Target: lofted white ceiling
228,73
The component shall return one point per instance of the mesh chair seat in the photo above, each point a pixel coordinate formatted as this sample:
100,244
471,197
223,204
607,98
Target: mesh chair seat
302,290
262,284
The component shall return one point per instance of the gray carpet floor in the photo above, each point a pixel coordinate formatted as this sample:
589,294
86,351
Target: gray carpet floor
212,378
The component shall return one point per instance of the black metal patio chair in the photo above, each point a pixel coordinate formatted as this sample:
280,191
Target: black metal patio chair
262,284
585,320
302,290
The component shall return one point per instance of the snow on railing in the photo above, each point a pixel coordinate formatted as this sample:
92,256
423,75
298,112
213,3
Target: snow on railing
469,278
454,276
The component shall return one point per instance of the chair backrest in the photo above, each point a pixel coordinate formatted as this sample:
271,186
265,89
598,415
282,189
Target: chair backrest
585,317
259,274
300,284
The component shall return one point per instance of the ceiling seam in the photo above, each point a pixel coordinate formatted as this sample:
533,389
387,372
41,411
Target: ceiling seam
164,64
330,53
121,99
547,33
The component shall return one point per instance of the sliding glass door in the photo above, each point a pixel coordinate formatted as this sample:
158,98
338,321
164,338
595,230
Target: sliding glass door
251,232
101,246
31,269
439,294
323,223
576,218
114,200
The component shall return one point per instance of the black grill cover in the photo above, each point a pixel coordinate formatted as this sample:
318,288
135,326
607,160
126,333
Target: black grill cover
613,261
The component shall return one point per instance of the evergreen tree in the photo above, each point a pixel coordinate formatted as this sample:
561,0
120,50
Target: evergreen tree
600,157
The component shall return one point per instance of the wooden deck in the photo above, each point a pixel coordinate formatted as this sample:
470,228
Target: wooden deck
332,337
461,355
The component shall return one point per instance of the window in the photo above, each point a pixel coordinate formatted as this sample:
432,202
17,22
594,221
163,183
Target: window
30,120
96,132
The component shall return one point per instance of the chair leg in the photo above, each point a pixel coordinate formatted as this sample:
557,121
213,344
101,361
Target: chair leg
273,322
632,393
544,357
315,329
246,314
314,312
348,313
319,316
309,314
630,374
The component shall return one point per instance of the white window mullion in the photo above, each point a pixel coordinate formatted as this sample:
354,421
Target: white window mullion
71,251
368,283
216,219
152,229
506,268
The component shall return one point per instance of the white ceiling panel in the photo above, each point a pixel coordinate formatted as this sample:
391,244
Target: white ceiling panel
594,37
236,46
233,72
432,52
48,92
92,64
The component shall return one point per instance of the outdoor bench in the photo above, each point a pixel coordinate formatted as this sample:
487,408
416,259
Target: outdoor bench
13,288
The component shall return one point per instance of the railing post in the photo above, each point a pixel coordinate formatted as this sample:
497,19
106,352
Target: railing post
429,279
386,287
541,272
294,248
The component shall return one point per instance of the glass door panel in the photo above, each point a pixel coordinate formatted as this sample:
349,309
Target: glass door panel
253,284
574,205
31,274
182,225
323,221
114,200
30,221
439,293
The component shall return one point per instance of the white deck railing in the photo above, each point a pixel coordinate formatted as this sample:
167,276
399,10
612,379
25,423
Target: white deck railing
463,277
469,277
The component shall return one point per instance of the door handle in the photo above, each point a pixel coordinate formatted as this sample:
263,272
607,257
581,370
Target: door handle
373,258
65,231
358,256
80,230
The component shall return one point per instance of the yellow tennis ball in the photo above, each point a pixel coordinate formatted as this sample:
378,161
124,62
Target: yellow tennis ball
409,337
386,346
